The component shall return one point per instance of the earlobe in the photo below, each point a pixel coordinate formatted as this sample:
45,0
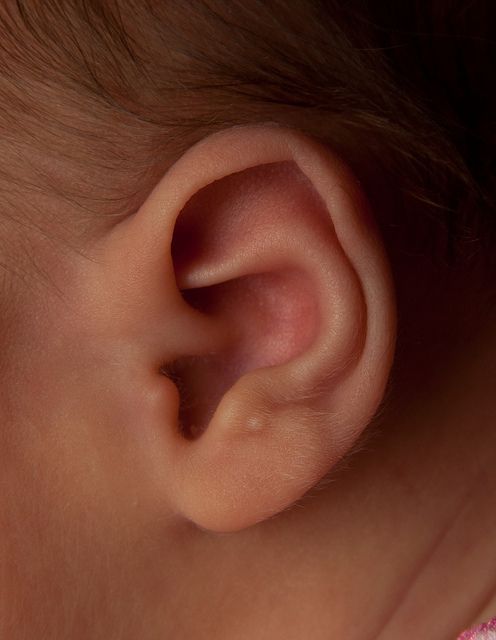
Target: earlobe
278,319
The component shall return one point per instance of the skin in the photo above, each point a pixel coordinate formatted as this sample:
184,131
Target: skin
115,526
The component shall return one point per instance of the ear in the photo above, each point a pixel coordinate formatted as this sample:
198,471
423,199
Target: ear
250,297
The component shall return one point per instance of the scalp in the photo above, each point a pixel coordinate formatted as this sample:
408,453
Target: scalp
97,99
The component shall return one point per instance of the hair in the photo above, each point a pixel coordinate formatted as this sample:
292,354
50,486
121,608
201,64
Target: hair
98,98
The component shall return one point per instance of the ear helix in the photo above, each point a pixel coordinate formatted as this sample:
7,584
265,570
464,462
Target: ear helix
267,418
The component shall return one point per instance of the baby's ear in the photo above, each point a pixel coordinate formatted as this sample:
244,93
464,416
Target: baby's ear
253,288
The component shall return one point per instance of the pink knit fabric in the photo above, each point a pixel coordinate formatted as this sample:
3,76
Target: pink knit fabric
486,631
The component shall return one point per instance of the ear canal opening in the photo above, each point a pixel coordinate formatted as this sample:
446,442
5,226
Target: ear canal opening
270,319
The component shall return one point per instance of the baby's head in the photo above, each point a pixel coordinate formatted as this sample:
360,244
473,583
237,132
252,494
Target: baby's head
246,308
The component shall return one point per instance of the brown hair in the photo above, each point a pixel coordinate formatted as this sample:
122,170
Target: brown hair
98,98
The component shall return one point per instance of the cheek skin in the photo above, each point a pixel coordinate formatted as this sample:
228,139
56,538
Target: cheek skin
83,514
80,520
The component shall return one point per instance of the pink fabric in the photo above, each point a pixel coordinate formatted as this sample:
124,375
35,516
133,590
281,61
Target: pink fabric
486,631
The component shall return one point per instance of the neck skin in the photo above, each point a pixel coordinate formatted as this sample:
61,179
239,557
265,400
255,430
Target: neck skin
401,543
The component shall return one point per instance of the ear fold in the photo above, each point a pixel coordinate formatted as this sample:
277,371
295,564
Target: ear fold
256,282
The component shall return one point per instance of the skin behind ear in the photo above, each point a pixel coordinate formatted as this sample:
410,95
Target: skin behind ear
249,301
